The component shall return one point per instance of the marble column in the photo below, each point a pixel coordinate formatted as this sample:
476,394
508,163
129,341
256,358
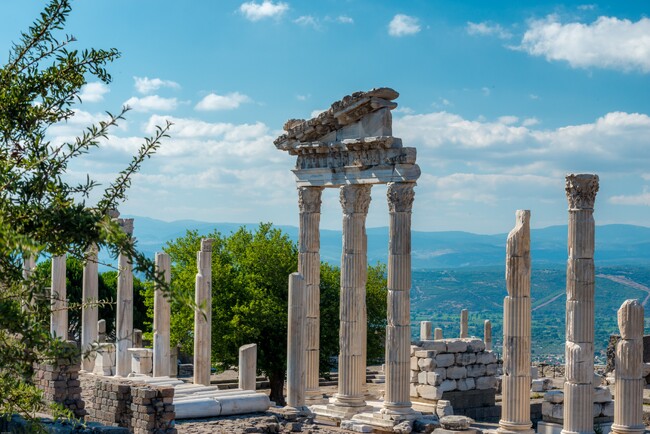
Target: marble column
578,386
29,263
437,334
124,315
309,202
161,320
464,323
398,330
296,342
248,367
59,315
629,384
425,331
203,314
515,409
89,309
355,200
487,334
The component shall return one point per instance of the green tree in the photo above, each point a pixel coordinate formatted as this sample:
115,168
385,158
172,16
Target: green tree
250,272
41,213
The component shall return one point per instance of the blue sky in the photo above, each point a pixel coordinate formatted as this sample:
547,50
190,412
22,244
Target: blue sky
501,99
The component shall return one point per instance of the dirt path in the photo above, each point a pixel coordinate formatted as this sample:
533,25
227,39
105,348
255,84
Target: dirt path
548,302
629,283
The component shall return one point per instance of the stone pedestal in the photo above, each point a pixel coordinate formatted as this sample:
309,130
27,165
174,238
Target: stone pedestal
203,316
464,323
124,315
437,334
296,372
515,386
309,202
578,388
105,360
425,331
628,403
487,334
248,367
397,402
89,313
161,320
141,360
59,316
355,200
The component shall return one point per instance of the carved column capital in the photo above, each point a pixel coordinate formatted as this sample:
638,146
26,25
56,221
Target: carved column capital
355,198
309,199
400,196
206,244
581,190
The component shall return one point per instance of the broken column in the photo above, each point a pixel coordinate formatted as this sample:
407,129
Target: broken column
89,311
124,315
425,330
578,387
161,320
203,314
464,326
296,342
309,202
487,334
248,367
437,334
355,200
628,400
398,330
515,410
59,315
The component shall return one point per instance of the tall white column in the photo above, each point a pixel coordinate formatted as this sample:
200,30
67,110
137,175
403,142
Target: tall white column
309,203
296,342
464,323
124,315
89,312
487,334
398,330
248,367
59,315
578,387
515,410
161,320
355,200
628,402
203,316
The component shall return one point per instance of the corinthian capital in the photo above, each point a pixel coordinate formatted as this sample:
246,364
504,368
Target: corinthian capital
581,190
400,196
309,199
355,198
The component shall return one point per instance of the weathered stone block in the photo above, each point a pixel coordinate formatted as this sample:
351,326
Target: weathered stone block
486,357
445,360
465,384
456,346
438,346
427,364
456,372
475,345
464,359
486,383
476,370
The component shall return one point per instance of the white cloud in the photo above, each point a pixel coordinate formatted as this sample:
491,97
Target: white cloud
529,122
589,7
230,101
639,199
93,92
267,9
146,85
308,21
151,103
301,97
403,25
344,19
608,42
533,96
508,120
488,29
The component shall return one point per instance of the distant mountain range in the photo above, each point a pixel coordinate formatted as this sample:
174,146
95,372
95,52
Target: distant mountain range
615,244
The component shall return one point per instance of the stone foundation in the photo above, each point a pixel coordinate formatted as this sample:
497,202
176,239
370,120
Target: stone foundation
603,406
60,383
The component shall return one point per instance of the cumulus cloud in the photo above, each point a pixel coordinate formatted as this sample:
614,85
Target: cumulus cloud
638,199
253,11
488,29
308,21
212,101
403,25
151,103
93,92
145,85
608,42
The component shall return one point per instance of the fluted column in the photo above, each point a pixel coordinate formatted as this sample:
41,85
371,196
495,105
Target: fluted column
355,200
89,313
578,387
628,396
296,342
59,314
515,410
124,315
487,334
161,320
203,315
398,329
464,323
309,202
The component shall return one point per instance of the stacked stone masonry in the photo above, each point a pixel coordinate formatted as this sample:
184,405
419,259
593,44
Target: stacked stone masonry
439,366
60,383
603,406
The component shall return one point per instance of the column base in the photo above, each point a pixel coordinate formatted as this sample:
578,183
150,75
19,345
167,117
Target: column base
315,397
624,429
338,412
515,428
291,413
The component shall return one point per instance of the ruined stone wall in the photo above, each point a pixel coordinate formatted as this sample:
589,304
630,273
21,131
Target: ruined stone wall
60,383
